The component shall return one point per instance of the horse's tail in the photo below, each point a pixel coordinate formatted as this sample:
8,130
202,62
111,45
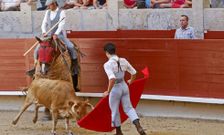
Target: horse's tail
24,90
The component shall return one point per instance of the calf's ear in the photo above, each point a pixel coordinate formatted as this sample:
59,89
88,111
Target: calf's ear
71,103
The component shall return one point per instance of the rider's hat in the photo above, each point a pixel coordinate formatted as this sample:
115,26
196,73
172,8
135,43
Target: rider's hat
48,2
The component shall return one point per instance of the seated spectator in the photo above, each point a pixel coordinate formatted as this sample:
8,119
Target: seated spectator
141,4
169,3
149,3
129,3
69,4
83,3
40,4
160,3
10,5
187,4
99,4
184,32
177,3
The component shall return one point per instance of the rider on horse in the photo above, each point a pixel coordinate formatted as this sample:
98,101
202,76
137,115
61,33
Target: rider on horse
52,16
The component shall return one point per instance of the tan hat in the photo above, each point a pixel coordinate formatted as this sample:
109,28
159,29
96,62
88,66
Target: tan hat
48,2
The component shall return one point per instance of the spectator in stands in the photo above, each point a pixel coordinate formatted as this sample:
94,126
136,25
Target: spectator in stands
83,3
40,4
169,3
149,3
129,3
160,3
141,4
184,32
64,4
69,4
99,4
10,5
138,3
187,4
144,3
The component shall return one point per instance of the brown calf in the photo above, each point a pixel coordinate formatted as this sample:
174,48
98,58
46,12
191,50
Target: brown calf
59,97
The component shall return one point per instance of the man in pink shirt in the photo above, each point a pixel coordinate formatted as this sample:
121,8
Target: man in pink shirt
177,3
169,3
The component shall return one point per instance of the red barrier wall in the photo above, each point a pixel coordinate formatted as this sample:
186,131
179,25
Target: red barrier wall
214,35
14,64
177,67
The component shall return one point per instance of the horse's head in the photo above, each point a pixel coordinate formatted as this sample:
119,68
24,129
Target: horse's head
46,53
80,109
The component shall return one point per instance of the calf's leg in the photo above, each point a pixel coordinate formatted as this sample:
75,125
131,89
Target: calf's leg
55,120
26,104
37,106
67,126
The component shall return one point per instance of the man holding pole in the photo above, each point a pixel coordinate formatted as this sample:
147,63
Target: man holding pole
52,16
54,22
53,25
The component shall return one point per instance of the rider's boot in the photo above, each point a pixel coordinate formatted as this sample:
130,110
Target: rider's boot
74,70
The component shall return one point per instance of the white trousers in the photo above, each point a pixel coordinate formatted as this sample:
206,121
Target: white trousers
120,94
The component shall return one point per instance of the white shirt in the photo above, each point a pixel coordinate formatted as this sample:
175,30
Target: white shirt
61,25
187,33
111,66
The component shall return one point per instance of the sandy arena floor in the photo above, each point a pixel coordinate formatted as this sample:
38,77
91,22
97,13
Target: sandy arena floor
154,126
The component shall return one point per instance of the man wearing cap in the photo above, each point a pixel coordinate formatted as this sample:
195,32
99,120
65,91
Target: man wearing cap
52,16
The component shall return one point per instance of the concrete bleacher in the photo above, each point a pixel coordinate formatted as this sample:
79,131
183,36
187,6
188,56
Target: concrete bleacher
26,23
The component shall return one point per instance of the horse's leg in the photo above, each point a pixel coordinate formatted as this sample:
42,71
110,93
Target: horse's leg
26,104
37,106
67,126
55,120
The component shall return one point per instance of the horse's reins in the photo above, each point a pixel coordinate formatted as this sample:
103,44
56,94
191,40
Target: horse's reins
62,55
76,48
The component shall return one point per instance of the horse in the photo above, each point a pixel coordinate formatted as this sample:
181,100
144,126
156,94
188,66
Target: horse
52,86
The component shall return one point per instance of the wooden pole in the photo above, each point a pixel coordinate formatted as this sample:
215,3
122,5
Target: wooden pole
46,33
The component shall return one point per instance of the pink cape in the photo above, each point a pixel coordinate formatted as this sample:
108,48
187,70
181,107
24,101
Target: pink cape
99,119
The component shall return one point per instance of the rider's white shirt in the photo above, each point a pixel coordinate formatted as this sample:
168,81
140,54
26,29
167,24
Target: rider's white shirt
53,14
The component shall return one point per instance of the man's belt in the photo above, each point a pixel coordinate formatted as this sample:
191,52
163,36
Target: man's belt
119,80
